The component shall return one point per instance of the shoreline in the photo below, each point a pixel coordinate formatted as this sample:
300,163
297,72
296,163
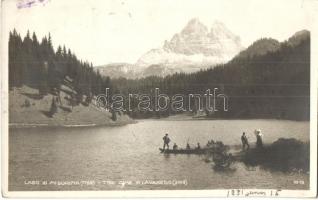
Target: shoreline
35,125
188,117
131,121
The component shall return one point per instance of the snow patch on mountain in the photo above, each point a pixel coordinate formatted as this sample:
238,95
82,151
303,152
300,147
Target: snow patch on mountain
195,47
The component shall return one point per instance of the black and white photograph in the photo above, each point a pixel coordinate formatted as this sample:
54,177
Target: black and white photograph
159,98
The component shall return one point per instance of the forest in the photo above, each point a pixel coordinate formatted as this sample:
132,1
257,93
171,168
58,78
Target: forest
36,64
271,84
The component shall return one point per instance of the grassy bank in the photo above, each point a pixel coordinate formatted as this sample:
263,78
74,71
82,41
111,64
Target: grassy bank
27,108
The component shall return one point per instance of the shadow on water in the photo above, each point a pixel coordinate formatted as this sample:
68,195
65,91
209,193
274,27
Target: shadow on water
166,156
226,170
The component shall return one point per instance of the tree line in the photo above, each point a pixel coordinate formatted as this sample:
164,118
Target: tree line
271,85
36,64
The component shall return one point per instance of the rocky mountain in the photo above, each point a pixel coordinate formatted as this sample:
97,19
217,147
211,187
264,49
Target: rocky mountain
195,47
268,80
117,70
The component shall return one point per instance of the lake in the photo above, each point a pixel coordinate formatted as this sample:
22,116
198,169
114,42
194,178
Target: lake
103,158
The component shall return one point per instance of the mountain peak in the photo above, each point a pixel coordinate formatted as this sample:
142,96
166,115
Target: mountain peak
192,49
194,26
195,39
218,24
194,20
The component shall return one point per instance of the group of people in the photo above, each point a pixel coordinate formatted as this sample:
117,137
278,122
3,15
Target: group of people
166,141
259,140
245,143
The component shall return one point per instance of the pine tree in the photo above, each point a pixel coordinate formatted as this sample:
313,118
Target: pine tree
38,65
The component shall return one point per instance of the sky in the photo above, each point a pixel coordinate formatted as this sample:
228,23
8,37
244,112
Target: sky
109,31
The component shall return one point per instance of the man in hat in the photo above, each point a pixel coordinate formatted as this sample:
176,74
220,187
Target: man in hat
166,141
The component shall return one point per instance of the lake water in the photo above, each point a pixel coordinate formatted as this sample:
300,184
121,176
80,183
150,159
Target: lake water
100,158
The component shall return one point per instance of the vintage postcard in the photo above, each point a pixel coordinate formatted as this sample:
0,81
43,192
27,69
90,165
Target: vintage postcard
159,98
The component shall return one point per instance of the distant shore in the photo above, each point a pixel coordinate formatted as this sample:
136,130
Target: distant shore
190,117
33,125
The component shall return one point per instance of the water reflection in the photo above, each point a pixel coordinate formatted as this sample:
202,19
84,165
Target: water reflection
166,156
221,169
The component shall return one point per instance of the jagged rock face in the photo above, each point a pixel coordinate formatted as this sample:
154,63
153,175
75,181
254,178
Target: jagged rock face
117,70
192,40
195,44
196,39
194,48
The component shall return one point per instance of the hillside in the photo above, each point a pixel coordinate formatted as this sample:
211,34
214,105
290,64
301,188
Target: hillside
268,80
298,37
50,87
27,108
260,47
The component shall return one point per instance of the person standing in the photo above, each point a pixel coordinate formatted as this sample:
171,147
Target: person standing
166,141
259,139
245,141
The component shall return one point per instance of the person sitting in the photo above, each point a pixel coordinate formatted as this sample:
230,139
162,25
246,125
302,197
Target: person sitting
210,144
175,146
188,146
